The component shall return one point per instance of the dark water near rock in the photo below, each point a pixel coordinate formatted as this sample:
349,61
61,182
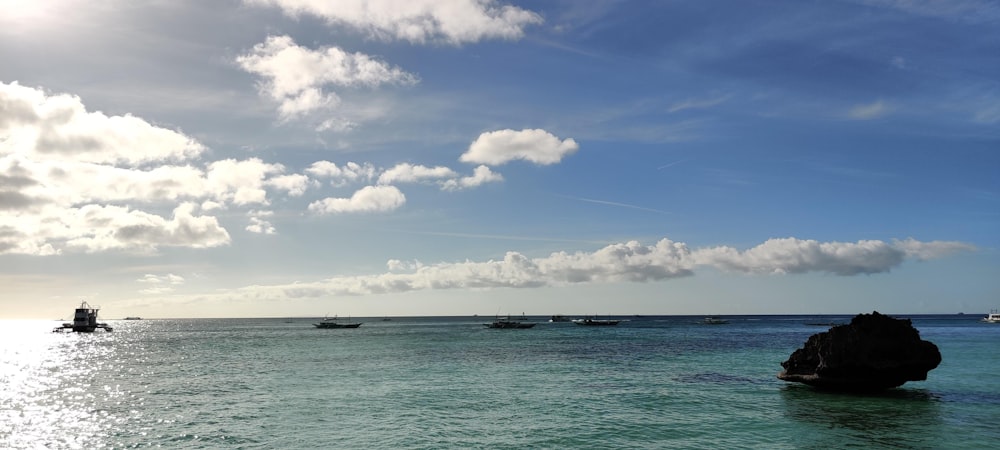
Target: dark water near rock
448,382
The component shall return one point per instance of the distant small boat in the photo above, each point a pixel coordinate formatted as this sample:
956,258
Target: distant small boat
992,317
587,321
559,318
133,318
714,320
334,322
84,321
508,323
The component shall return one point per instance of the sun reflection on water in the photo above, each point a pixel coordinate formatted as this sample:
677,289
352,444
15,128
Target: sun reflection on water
59,389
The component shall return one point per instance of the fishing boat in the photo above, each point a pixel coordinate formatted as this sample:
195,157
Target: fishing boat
714,320
992,317
334,322
84,321
592,322
508,323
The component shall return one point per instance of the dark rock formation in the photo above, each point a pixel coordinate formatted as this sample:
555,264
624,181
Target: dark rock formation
873,352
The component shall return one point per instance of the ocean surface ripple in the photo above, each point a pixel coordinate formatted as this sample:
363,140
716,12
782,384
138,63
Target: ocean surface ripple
449,382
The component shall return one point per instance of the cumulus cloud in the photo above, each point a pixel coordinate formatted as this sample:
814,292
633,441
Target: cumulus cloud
481,175
340,176
790,255
53,127
298,78
418,21
294,184
73,180
259,223
537,146
240,182
367,199
409,173
625,262
95,228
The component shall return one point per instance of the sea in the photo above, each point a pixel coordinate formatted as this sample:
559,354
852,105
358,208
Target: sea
652,382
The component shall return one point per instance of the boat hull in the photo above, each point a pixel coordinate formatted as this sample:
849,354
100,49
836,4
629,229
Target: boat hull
596,322
336,325
508,325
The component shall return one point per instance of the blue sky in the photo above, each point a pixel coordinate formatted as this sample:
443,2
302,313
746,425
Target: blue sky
301,158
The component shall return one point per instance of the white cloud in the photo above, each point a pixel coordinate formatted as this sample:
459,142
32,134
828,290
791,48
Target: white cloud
624,262
480,176
869,111
76,180
790,255
161,279
296,76
418,21
537,146
294,184
409,173
367,199
240,182
259,224
47,127
159,284
930,250
339,176
101,228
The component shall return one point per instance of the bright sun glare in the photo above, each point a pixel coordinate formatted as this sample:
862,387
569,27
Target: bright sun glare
23,12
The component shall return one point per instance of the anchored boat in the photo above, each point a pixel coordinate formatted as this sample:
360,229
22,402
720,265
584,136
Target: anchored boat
595,322
84,321
334,322
508,323
714,320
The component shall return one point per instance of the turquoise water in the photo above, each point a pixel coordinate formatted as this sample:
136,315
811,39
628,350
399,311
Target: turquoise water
651,382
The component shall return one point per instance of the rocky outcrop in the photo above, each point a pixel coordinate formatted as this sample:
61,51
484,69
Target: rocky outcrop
873,352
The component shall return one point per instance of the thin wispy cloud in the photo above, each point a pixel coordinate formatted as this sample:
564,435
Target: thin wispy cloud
869,111
617,204
669,165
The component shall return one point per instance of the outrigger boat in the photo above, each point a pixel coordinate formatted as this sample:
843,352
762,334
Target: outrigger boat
508,323
714,320
84,321
334,322
587,321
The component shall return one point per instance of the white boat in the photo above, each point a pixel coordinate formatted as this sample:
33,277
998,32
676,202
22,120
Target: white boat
593,322
992,317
